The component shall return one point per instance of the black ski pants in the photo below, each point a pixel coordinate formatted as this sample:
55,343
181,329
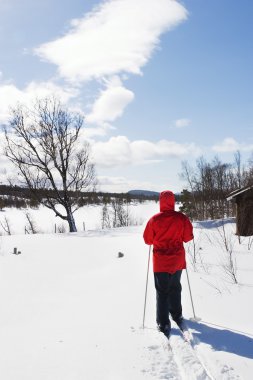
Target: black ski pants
168,297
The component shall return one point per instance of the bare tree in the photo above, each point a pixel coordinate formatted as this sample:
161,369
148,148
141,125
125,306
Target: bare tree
230,267
44,144
188,175
226,241
6,225
121,215
209,184
238,167
106,222
30,228
248,175
61,229
250,242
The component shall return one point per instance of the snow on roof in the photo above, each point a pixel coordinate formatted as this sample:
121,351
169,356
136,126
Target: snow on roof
238,191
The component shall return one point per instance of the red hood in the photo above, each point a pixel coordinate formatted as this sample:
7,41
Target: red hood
167,201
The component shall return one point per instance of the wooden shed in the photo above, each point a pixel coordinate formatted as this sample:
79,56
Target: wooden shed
244,210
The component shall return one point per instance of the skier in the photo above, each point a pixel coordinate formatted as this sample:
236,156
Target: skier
167,231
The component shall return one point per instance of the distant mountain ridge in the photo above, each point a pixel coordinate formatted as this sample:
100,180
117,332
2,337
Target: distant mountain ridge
146,193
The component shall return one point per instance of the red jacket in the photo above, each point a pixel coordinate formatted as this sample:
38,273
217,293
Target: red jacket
167,231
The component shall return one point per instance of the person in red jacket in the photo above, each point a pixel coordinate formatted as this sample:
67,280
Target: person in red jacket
167,231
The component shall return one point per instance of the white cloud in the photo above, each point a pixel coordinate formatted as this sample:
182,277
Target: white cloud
143,150
181,123
107,107
229,144
120,150
116,151
7,169
110,105
10,95
119,36
88,133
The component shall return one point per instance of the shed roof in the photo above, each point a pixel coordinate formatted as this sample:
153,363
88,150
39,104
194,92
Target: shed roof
237,192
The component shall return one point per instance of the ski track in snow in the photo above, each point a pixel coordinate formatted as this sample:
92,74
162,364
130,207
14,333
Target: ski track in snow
188,361
160,358
221,371
177,359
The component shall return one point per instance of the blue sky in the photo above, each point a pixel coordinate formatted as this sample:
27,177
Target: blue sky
159,81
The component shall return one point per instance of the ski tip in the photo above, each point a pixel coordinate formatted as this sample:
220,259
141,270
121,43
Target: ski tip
187,335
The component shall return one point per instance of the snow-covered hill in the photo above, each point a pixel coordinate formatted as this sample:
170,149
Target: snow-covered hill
72,310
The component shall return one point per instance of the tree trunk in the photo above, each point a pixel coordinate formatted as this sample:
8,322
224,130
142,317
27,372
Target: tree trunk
71,222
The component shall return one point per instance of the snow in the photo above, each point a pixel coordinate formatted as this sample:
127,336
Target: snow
72,310
87,217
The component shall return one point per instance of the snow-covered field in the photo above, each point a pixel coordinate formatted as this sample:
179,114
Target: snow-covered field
72,310
87,217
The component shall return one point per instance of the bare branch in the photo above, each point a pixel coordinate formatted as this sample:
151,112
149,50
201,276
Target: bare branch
43,143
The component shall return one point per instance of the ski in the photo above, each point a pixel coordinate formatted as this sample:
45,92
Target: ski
187,335
185,332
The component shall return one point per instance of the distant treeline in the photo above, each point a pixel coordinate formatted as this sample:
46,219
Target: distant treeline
209,184
21,197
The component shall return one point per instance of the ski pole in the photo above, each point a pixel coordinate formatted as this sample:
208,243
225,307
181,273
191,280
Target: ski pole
145,301
196,319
